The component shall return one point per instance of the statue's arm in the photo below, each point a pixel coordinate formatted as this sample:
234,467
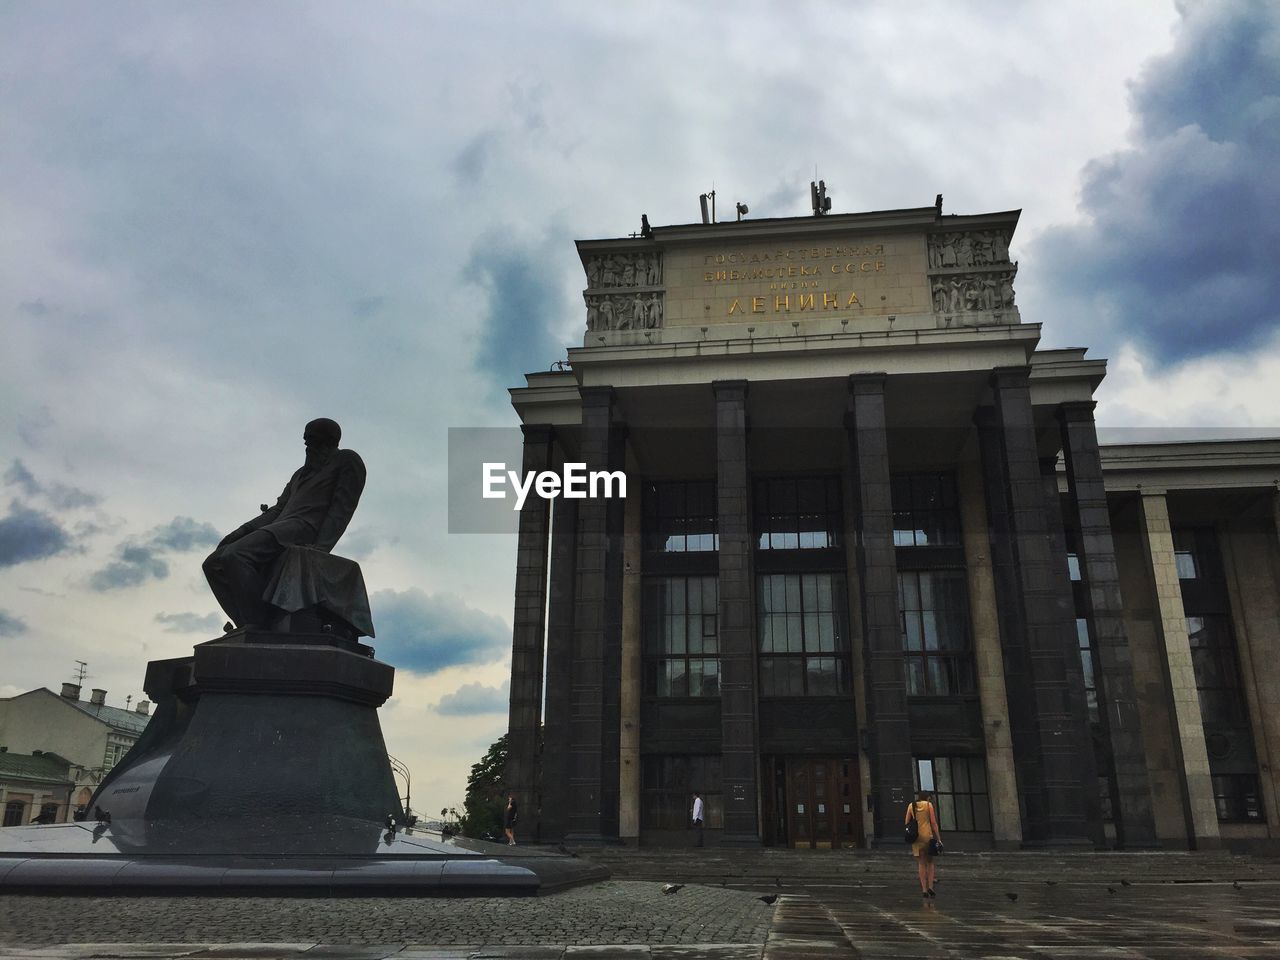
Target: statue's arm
261,520
346,494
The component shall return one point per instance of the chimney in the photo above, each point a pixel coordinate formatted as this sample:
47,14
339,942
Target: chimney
98,697
71,691
143,707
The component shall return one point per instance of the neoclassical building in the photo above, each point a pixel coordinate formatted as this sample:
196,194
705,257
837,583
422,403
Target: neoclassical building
871,543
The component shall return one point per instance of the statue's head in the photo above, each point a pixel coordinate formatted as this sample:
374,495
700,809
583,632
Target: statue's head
322,434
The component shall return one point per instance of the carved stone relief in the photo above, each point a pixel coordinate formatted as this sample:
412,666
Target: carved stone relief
624,270
972,249
968,292
620,311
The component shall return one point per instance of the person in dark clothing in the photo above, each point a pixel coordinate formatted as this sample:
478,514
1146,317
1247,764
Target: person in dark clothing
509,820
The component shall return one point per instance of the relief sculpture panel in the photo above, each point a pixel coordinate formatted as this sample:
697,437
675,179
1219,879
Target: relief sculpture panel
614,311
972,249
624,270
958,293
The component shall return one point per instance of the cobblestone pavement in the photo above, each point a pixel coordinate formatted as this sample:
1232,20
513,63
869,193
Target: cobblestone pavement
831,906
626,912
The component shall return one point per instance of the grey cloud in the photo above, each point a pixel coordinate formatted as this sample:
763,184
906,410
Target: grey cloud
426,632
474,698
142,559
27,534
182,534
137,565
525,303
366,307
61,496
35,308
18,475
470,162
189,622
1177,251
11,626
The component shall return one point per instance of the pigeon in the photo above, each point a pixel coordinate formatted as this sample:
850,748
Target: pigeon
723,882
769,899
1013,897
1051,883
1236,885
1111,889
777,882
1125,883
670,888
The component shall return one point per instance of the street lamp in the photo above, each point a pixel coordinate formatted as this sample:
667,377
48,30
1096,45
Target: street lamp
399,768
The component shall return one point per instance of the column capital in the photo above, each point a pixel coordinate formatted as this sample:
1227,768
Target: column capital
730,389
1005,378
866,383
1076,411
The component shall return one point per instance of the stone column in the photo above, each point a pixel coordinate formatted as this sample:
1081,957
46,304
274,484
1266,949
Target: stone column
1117,695
886,682
853,603
1002,780
1038,639
1077,699
555,732
629,744
523,727
739,748
1180,676
594,719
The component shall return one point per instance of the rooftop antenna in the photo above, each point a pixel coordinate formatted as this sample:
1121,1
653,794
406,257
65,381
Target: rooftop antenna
937,204
646,231
742,211
82,671
702,201
818,197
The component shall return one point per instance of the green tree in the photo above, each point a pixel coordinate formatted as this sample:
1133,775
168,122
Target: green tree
485,793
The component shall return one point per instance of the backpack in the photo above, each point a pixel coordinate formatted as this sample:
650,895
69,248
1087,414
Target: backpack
912,832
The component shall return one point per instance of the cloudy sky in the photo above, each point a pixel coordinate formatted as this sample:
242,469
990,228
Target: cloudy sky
222,220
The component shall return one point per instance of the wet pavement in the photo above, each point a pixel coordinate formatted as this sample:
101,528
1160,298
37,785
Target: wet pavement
830,904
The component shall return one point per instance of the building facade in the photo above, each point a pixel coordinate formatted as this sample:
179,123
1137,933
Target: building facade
871,543
89,735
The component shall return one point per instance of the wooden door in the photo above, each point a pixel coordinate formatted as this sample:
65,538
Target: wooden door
822,803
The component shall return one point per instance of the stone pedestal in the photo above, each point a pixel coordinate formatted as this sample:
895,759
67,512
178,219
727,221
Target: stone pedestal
251,725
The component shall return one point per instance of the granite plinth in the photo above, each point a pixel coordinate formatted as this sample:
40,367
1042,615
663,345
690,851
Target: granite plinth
249,727
325,856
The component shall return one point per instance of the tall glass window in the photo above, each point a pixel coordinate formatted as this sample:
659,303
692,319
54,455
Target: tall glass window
680,516
935,633
804,644
681,637
959,788
926,512
1228,730
797,513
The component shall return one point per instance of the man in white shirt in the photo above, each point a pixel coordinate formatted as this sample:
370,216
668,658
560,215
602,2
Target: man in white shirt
697,816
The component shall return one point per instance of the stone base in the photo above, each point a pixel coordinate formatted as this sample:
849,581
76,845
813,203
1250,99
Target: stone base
249,727
277,856
264,770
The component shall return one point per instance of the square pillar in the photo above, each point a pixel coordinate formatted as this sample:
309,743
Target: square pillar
984,615
888,727
739,747
528,629
595,675
1117,693
1198,807
1041,653
554,774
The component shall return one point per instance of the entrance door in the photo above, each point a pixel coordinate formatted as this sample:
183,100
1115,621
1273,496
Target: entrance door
821,803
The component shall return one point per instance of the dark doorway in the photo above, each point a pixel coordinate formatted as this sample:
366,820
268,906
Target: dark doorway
813,803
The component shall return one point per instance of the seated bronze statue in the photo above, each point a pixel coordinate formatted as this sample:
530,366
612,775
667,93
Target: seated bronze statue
313,511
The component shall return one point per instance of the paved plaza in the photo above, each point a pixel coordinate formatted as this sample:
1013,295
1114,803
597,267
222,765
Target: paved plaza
842,904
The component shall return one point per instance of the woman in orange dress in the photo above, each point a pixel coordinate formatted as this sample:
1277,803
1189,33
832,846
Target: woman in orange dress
927,822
